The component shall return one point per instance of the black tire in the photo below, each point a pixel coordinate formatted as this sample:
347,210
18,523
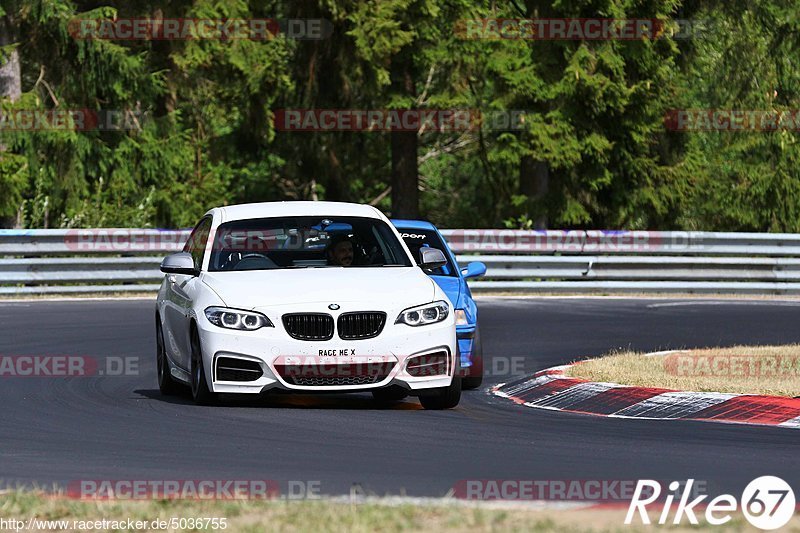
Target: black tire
474,378
200,393
443,398
390,394
167,385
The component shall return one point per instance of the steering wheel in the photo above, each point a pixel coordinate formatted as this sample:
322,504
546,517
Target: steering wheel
375,256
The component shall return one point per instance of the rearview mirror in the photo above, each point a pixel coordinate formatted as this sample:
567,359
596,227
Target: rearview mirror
474,270
431,258
180,263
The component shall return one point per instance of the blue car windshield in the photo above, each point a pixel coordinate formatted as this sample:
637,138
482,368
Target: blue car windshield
416,239
305,242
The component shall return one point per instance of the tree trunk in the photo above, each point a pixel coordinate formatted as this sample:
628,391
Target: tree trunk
534,181
10,84
10,78
534,175
335,187
405,176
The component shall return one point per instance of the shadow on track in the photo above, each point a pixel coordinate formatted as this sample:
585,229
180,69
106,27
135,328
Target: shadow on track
293,401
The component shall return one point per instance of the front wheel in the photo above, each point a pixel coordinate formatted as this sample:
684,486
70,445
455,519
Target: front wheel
166,384
443,398
200,392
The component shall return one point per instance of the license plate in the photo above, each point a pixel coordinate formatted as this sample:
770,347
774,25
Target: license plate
337,352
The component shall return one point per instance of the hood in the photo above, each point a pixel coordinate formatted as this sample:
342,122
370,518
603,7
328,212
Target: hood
383,286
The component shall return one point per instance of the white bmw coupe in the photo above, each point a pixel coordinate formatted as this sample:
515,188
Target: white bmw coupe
308,297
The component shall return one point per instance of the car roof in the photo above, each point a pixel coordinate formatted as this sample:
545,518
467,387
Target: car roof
296,208
412,224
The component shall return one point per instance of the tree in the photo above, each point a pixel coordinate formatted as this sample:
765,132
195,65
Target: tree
12,179
591,150
200,110
747,180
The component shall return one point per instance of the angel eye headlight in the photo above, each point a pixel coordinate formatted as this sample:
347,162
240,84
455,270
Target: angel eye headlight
231,320
237,319
424,314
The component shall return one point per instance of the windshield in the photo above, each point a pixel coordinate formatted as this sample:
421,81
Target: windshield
416,239
305,242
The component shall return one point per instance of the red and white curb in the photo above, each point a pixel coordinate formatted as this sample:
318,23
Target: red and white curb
552,389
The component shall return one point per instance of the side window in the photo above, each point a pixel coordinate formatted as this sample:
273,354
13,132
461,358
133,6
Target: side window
418,239
196,245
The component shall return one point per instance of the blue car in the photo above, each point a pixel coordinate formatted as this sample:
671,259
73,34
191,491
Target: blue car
452,279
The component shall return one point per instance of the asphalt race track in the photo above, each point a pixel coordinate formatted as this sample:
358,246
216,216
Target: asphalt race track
57,430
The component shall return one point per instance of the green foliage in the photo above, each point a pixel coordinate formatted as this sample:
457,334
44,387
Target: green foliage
200,109
593,126
745,181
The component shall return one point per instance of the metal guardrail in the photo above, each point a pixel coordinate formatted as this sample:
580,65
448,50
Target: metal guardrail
124,260
612,242
38,242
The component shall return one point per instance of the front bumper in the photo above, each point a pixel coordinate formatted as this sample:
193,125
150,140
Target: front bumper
466,338
271,348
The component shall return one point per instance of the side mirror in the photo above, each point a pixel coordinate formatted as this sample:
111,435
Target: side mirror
180,263
430,258
475,269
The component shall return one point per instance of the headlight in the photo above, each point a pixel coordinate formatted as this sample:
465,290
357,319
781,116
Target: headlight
461,317
424,314
237,319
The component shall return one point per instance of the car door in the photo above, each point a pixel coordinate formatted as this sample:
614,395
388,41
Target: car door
180,295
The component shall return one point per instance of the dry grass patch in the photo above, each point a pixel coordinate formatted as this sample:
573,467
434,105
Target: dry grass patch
767,370
326,516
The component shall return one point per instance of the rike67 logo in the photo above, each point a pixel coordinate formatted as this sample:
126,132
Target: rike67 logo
767,502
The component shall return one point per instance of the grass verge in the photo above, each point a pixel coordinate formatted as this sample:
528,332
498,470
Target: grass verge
765,370
327,516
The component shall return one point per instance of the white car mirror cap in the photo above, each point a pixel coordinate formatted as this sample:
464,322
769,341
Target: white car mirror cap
180,263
